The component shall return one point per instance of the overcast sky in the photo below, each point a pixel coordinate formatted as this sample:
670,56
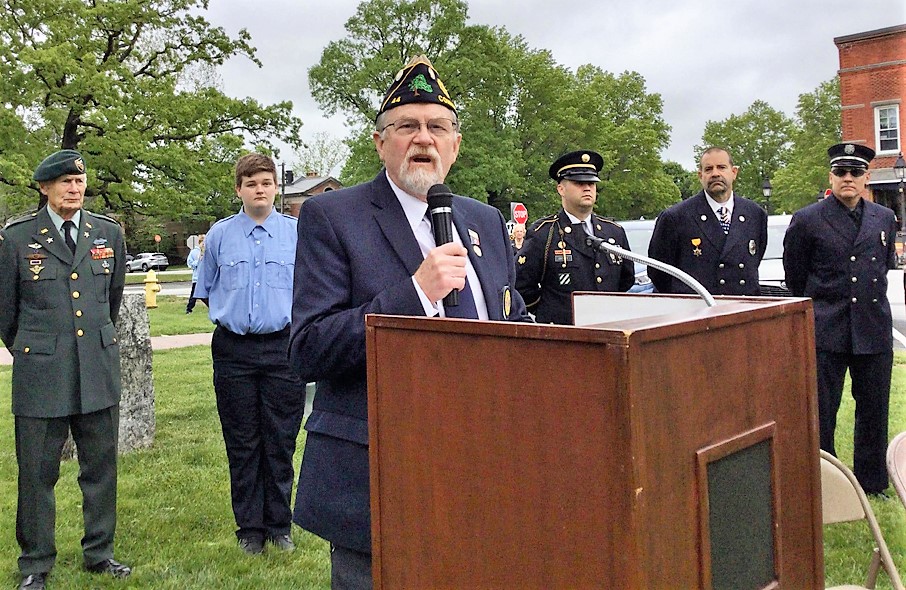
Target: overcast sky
708,59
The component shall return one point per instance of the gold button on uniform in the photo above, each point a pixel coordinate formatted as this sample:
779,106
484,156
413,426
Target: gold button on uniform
78,313
75,294
80,332
599,279
74,276
27,349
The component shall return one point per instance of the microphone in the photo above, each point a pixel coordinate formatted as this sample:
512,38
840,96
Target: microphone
440,205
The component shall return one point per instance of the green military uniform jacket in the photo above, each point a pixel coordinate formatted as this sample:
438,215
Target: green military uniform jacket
57,314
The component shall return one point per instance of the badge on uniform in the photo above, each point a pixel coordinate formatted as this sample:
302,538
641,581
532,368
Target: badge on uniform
884,239
507,302
521,260
752,247
564,278
563,256
35,246
696,242
476,243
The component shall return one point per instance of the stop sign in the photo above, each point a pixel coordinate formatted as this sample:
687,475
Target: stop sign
519,213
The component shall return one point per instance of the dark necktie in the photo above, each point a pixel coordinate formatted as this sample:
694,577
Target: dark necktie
466,308
67,228
724,215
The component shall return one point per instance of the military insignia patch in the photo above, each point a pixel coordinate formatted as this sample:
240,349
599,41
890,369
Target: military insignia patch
35,246
564,278
79,164
507,302
44,230
473,238
849,149
563,255
521,260
752,247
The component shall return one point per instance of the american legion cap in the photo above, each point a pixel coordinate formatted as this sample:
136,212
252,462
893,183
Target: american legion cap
416,82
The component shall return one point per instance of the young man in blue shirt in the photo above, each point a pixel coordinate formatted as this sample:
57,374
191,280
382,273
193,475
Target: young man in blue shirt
247,277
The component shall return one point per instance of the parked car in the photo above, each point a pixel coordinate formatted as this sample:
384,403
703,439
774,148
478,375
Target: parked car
146,260
770,272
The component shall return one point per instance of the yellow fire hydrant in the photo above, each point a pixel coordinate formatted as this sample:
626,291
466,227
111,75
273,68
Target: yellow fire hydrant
152,288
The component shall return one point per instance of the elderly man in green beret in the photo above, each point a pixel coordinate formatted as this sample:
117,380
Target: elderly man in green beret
62,272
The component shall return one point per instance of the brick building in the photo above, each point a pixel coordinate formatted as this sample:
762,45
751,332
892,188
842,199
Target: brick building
872,89
298,191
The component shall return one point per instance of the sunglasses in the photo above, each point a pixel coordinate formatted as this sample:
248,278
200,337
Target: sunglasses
855,172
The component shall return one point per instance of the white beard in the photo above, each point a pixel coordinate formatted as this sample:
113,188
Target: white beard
417,181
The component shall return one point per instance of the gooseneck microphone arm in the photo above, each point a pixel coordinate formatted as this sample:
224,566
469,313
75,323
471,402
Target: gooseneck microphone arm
602,245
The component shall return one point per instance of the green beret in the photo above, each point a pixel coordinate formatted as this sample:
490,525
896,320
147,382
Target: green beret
416,82
58,164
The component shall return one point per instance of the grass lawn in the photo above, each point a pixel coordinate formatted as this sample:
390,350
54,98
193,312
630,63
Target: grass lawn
175,522
180,276
170,318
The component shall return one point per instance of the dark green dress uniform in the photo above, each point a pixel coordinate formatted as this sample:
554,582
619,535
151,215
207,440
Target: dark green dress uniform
57,315
554,262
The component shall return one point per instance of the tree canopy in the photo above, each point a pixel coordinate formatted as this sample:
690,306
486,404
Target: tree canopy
131,85
758,142
519,109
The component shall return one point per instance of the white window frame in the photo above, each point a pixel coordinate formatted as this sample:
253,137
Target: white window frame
896,120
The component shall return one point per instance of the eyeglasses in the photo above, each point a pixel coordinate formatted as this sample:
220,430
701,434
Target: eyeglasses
841,172
440,127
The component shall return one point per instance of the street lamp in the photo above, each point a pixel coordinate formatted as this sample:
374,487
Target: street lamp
286,177
899,169
767,190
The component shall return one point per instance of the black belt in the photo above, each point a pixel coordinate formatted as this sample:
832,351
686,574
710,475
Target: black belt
284,333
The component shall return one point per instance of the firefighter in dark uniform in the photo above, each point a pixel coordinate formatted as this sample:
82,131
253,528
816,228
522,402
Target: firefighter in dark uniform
62,272
838,252
716,236
554,260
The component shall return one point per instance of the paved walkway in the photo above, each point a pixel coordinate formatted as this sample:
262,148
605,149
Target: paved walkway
157,343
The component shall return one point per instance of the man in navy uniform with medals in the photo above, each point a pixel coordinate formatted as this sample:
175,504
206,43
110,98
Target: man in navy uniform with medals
716,236
62,273
555,261
838,251
370,249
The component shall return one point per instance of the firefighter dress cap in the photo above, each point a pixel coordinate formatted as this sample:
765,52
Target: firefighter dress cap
580,166
850,154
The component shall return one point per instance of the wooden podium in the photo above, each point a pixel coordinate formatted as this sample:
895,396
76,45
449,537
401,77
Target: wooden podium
674,446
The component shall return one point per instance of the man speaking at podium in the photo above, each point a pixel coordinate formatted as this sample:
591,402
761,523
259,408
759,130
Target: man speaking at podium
370,249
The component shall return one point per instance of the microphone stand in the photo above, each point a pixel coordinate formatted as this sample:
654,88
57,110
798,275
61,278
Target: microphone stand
602,245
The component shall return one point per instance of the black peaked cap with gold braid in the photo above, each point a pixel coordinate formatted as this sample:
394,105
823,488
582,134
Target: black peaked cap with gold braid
417,82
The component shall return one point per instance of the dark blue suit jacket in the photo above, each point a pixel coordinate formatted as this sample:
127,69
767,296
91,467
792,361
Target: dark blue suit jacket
844,271
356,255
688,236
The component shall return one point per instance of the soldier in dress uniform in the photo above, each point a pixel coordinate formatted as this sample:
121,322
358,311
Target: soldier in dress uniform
838,252
716,236
62,272
554,260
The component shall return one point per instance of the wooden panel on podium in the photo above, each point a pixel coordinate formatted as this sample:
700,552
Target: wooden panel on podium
621,455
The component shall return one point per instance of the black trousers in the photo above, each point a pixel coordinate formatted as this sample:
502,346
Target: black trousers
349,569
870,376
260,403
193,299
39,442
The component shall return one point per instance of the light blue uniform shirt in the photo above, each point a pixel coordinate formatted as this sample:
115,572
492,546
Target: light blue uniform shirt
194,262
247,273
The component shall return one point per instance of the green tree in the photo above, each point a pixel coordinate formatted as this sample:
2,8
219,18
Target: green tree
321,155
518,108
818,126
758,141
685,180
127,83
